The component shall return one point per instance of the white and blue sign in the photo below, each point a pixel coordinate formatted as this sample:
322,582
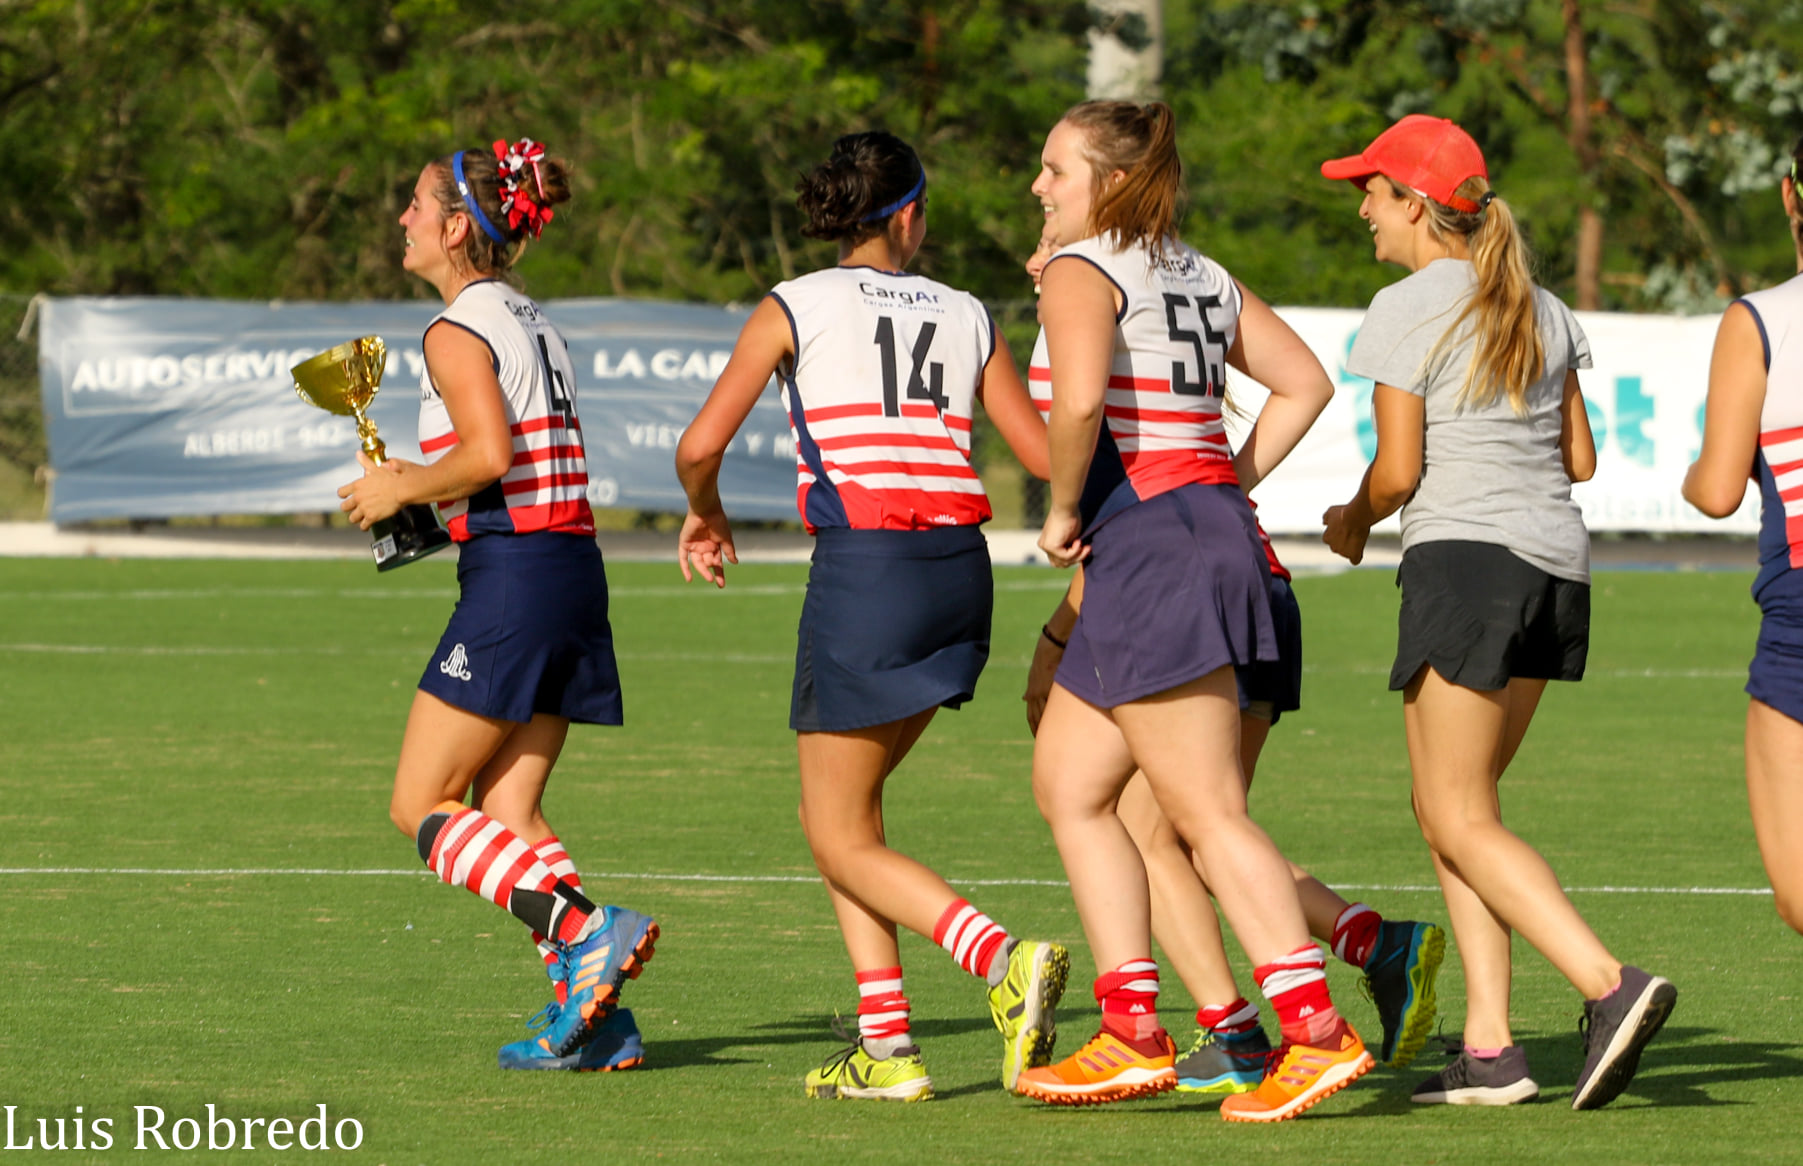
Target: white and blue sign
1644,399
164,407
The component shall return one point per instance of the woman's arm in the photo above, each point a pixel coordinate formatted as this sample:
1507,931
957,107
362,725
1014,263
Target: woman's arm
1015,415
1718,481
706,538
1269,351
1577,448
1391,478
462,371
1077,306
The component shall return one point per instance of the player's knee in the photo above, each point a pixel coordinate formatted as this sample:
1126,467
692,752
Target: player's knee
834,858
406,819
408,814
1159,842
1445,831
1053,796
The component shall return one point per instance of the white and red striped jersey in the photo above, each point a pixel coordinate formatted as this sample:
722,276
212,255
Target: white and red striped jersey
1779,466
1179,315
880,392
546,487
1039,386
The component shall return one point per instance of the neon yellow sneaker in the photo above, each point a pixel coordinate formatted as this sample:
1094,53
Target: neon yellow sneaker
1399,979
855,1074
1022,1006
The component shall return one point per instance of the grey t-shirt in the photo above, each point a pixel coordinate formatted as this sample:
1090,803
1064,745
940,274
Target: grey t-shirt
1487,474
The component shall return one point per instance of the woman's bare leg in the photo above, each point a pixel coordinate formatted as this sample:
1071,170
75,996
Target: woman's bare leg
1775,794
1457,746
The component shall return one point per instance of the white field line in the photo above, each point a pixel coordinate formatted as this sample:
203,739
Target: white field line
409,653
633,876
675,590
733,658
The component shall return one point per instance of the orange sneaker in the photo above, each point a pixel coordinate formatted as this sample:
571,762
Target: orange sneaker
1106,1069
1300,1076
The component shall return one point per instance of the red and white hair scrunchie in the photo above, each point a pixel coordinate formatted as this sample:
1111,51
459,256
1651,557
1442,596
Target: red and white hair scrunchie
516,202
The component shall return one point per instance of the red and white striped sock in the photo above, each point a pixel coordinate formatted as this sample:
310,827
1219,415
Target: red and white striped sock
1355,934
972,937
882,1011
467,848
1296,986
551,852
1235,1019
1129,999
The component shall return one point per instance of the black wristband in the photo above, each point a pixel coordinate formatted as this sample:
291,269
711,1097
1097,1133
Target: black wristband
1046,631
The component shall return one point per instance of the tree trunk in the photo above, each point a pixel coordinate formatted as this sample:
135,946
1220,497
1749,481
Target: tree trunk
1126,49
1583,148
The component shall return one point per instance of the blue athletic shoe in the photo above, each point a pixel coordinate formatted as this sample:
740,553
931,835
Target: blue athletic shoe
616,1045
595,968
1399,979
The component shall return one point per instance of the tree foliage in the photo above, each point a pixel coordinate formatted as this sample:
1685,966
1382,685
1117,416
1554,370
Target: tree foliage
1691,109
264,148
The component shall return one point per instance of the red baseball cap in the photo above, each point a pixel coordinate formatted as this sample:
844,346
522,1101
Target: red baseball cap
1428,154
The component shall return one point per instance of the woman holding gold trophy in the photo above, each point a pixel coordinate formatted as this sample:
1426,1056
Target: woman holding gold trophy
528,648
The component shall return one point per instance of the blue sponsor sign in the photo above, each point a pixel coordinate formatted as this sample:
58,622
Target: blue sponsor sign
164,407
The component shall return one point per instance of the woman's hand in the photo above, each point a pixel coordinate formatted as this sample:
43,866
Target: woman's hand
1046,657
1061,538
1345,535
377,494
706,542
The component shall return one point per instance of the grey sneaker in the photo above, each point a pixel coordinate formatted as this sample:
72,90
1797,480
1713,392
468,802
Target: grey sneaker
1472,1081
1221,1064
1615,1030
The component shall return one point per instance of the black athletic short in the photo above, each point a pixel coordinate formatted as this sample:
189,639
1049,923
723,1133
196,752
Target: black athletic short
1479,615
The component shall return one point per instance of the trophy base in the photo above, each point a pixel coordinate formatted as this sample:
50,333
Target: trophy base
410,535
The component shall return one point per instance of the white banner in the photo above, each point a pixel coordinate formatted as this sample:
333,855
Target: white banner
1644,397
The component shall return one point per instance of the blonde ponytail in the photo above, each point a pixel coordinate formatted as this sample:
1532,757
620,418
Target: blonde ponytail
1508,356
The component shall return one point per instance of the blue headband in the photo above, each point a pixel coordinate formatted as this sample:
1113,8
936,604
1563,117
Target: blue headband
469,200
901,202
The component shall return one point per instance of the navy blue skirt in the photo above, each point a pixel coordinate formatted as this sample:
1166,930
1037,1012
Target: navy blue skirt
1278,683
530,632
1174,588
895,622
1775,677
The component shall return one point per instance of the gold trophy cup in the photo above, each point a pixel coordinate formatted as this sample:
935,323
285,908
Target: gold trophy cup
343,381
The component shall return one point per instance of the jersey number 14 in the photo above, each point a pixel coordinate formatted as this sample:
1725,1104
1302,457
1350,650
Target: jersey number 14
928,387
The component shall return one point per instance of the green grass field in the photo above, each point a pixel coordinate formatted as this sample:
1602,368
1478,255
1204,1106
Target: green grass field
233,727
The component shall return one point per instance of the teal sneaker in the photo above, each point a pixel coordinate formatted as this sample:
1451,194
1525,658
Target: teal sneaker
1224,1064
1399,979
616,1045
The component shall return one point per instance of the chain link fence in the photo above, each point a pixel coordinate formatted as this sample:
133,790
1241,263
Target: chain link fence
24,456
